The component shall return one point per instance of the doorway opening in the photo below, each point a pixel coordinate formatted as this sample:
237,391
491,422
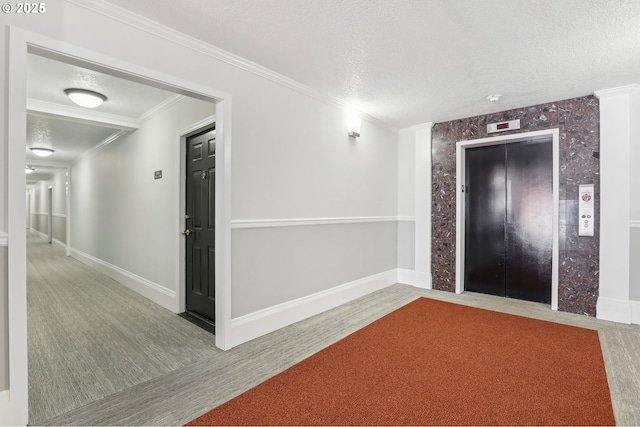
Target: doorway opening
25,43
507,216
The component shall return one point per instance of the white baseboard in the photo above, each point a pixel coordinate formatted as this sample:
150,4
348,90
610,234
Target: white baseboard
635,312
59,244
254,325
160,295
46,236
12,413
414,278
54,242
614,310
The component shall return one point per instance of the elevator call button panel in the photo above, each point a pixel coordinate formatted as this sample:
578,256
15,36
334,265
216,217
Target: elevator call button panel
586,210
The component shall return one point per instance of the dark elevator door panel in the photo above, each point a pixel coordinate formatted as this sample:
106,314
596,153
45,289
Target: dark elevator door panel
529,237
485,198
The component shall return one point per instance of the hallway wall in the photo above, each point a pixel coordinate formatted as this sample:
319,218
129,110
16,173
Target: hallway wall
634,285
292,163
40,207
4,321
579,123
121,215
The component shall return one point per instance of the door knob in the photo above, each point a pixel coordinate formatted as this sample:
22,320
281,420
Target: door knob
187,232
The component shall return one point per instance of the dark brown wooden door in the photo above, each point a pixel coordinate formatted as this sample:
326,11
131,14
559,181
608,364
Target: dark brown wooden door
509,220
200,223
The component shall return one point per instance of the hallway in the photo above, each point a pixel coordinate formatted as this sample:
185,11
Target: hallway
100,354
90,337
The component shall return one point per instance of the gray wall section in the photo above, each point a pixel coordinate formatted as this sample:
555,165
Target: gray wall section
4,321
60,229
40,222
406,248
280,264
634,265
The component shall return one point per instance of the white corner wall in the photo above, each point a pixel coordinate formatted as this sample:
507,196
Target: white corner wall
4,324
406,201
619,136
634,253
414,206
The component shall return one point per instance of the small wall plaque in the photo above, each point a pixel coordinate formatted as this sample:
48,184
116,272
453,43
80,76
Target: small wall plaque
157,174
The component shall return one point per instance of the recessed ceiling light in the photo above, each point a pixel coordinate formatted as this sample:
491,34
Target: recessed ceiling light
494,98
85,98
42,152
29,169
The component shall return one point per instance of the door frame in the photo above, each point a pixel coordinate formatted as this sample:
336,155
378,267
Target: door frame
461,147
50,214
182,136
21,42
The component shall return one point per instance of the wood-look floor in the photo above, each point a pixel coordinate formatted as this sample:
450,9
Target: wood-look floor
100,354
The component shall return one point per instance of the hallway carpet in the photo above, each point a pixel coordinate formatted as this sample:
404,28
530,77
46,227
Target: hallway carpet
437,363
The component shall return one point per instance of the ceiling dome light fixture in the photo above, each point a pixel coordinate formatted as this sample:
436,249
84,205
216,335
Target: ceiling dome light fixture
29,169
42,152
85,98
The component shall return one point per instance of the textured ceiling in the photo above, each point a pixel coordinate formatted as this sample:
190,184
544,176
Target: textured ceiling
407,62
71,130
47,79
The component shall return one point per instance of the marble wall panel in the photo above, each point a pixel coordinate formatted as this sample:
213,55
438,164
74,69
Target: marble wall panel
578,121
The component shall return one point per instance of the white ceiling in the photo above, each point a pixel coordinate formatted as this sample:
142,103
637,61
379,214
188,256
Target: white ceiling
407,62
404,62
53,121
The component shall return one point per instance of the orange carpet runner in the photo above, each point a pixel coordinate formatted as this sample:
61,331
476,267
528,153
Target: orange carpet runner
437,363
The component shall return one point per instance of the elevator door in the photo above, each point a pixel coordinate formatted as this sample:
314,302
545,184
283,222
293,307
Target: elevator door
509,220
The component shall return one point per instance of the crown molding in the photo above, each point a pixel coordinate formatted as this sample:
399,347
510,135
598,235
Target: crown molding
80,115
616,91
415,128
152,27
427,125
167,103
47,163
104,143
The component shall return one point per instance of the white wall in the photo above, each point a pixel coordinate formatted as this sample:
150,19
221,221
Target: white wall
414,206
406,200
619,136
40,206
4,322
120,214
634,117
291,159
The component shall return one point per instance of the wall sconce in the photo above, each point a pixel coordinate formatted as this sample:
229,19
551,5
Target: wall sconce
354,126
